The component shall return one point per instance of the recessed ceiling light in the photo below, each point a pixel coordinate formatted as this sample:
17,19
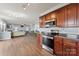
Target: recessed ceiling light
24,8
25,5
28,4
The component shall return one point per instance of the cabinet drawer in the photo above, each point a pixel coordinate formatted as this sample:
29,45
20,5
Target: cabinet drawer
69,42
69,47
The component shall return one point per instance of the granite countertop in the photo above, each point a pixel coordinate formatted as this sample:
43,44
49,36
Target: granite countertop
69,33
69,36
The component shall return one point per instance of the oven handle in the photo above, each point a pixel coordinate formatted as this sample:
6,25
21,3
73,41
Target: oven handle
47,37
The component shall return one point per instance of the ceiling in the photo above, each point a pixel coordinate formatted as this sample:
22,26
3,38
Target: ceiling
14,13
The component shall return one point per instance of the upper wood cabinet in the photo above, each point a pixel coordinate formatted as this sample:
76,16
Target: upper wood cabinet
67,16
53,15
77,15
61,17
48,17
42,21
71,14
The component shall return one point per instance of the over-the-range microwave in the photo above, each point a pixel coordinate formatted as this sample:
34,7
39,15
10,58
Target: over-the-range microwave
51,23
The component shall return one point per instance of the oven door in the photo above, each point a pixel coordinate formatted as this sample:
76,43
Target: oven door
48,42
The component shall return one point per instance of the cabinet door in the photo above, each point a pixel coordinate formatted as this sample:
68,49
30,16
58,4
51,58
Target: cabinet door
48,17
71,14
39,40
58,45
60,15
53,15
69,47
77,14
42,21
77,44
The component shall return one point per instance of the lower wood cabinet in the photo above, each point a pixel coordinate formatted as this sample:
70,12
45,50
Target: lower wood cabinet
58,46
77,43
65,46
39,40
69,47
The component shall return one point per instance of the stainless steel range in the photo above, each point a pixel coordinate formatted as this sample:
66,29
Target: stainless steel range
48,40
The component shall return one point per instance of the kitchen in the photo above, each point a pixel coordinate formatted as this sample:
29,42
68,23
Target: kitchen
53,29
62,26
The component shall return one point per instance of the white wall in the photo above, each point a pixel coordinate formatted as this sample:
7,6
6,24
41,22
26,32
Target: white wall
34,27
2,25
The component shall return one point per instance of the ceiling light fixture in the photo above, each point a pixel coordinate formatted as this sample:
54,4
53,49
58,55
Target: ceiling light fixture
25,5
24,8
28,4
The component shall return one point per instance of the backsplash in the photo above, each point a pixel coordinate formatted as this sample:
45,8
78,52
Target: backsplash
69,30
61,30
48,29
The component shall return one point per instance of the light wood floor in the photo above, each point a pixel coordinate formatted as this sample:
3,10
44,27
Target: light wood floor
22,46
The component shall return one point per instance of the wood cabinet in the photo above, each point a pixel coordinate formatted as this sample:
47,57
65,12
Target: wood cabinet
77,45
42,21
48,17
61,16
53,15
65,46
39,40
77,15
66,16
58,45
69,47
71,14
